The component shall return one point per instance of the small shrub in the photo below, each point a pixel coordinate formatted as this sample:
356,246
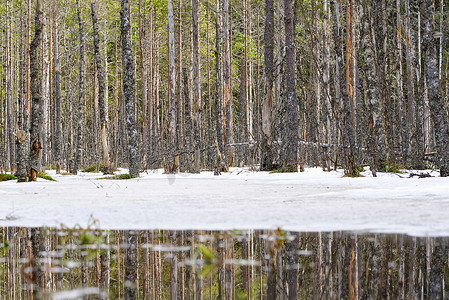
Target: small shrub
45,176
394,168
90,169
6,177
119,177
284,170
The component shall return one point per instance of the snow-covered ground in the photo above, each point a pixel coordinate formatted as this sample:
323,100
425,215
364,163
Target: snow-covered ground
310,201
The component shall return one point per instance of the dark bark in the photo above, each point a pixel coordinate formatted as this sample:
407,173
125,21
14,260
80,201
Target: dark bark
36,96
438,110
290,155
266,159
129,88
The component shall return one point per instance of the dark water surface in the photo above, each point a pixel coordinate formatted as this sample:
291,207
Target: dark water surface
77,263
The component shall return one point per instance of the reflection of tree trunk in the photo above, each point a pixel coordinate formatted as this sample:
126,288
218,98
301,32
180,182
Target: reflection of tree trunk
292,248
131,266
105,257
270,251
174,269
438,263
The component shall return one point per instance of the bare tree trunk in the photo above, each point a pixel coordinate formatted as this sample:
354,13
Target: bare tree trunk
196,86
266,163
36,97
129,87
170,163
22,141
227,93
243,125
9,103
437,107
81,93
399,82
179,128
102,97
58,122
410,119
290,156
220,138
377,137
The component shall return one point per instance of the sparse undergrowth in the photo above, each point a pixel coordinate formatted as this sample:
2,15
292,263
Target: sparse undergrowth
284,170
119,177
6,177
45,176
394,168
99,168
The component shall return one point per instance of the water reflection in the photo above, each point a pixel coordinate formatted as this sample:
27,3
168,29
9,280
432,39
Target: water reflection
42,263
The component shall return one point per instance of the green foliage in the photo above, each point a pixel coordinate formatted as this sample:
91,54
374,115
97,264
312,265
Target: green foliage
119,177
284,170
6,177
210,259
90,169
45,176
393,168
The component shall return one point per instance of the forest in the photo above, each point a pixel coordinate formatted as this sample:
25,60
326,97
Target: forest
208,84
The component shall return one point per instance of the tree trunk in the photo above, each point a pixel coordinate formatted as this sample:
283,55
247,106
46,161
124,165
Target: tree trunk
196,86
36,97
290,155
377,134
102,97
58,122
227,93
220,138
170,163
9,104
243,125
81,93
129,87
350,165
437,107
266,163
410,119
